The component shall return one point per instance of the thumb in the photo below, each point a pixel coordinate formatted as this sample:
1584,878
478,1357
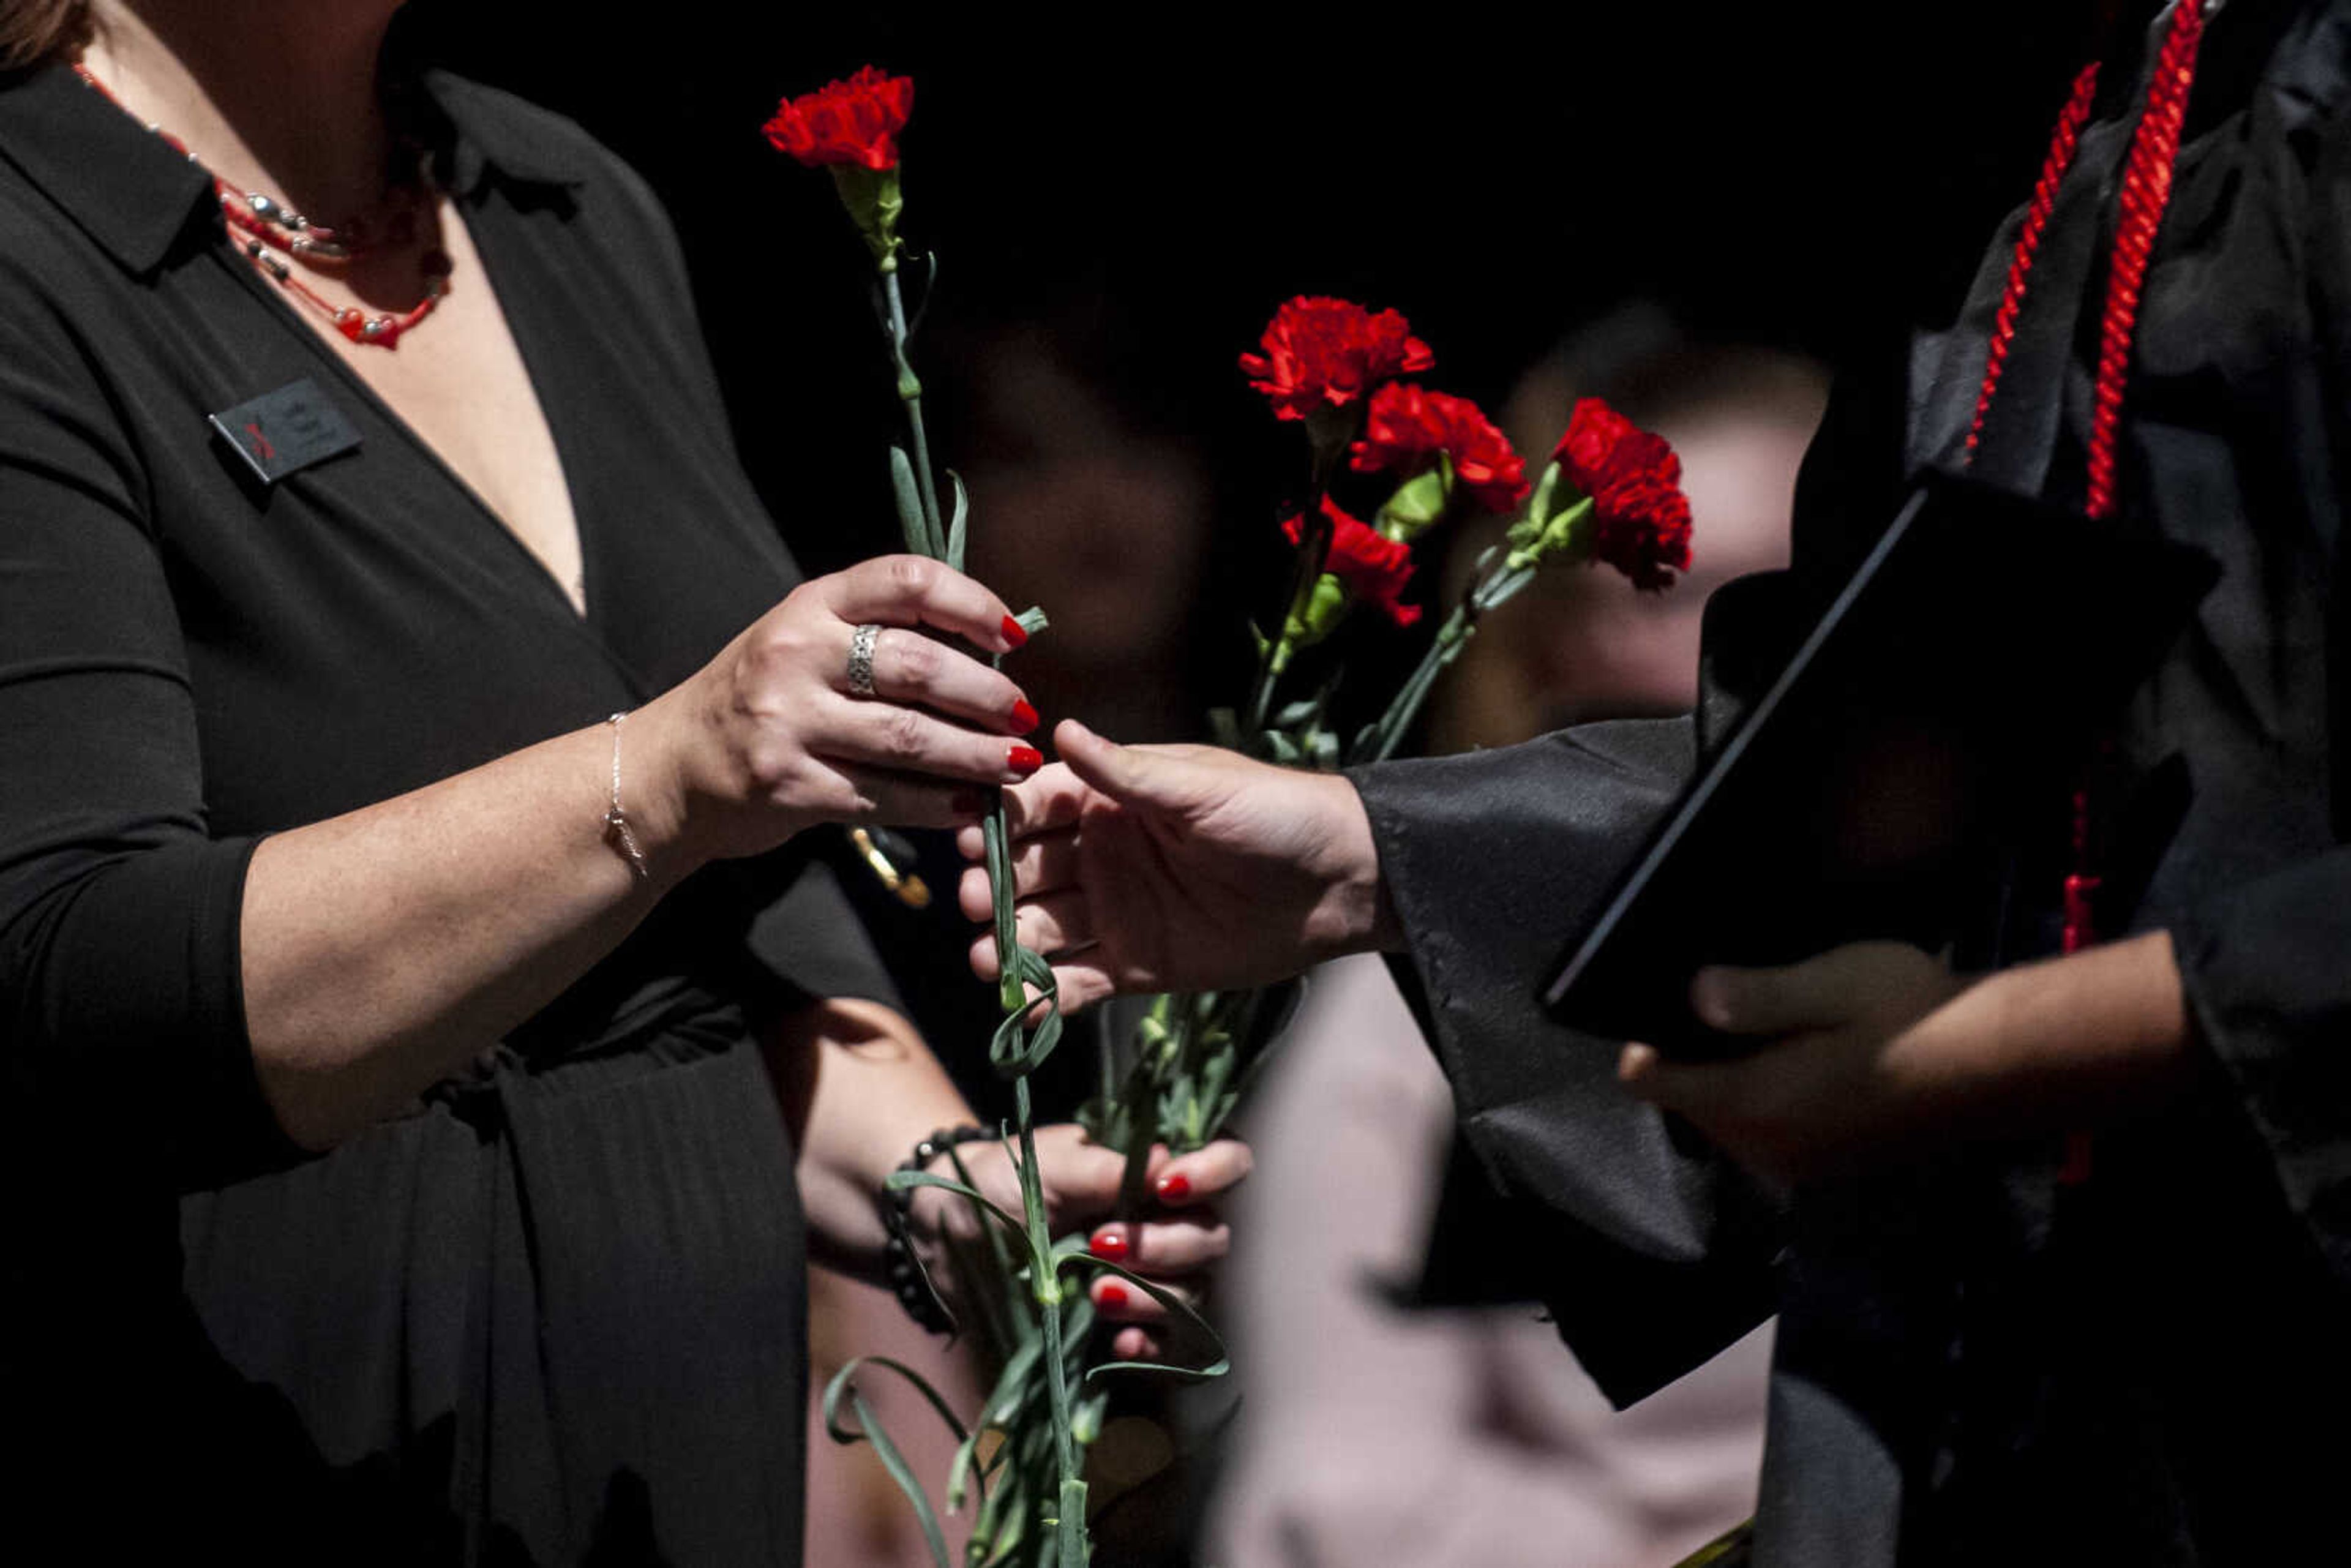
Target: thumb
1649,1074
1130,775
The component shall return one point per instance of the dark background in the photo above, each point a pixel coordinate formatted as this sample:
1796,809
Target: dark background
1148,184
1155,181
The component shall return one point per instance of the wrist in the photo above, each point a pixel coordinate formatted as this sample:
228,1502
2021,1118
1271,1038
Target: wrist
673,791
1353,913
915,1253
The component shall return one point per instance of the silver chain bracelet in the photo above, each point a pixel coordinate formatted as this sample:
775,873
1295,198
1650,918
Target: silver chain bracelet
616,822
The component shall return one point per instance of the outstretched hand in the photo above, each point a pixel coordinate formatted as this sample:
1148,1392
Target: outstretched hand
1155,868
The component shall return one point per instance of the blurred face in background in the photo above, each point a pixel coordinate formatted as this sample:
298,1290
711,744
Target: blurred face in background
1102,524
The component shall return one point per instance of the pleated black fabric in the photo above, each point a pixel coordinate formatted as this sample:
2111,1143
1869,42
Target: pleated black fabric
1977,1362
554,1314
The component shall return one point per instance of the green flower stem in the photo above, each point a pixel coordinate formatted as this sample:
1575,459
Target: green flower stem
1498,587
1045,1287
1313,549
910,392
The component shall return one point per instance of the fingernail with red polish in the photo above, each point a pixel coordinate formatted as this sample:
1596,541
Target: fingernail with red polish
1175,1189
1111,1294
1024,717
1024,760
1014,633
1108,1242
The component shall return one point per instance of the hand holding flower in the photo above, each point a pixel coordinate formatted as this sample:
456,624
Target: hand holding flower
1177,1248
1146,868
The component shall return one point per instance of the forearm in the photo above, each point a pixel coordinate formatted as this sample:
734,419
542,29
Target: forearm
384,947
2066,1042
859,1090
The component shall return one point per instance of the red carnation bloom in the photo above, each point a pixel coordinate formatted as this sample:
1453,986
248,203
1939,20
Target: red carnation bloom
1374,570
1323,354
1407,428
855,121
1641,518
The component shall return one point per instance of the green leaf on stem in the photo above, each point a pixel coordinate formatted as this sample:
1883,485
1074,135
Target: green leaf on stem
959,521
1175,1305
909,498
898,1181
868,1429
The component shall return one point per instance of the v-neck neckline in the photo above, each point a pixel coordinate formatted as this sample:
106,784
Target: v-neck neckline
584,617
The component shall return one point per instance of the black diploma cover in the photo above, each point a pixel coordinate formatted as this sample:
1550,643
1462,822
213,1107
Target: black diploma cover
1952,682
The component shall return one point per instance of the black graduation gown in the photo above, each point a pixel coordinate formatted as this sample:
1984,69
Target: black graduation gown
1977,1362
554,1314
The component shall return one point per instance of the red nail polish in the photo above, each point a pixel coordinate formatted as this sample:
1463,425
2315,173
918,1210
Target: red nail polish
1014,633
968,803
1108,1242
1175,1189
1025,760
1024,717
1111,1294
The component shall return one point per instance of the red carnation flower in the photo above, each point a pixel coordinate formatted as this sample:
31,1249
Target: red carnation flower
1326,354
1641,518
855,121
1407,428
1374,570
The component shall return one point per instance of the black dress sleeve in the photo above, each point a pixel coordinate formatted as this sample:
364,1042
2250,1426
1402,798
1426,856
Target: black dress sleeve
119,980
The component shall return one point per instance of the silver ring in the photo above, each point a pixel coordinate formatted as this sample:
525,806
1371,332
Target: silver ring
860,659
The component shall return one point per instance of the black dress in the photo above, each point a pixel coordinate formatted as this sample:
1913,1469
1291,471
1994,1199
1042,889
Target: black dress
1979,1363
554,1314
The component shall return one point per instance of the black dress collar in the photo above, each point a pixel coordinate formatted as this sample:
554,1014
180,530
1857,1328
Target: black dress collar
140,201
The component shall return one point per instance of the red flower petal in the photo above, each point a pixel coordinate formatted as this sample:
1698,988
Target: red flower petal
1641,518
1327,352
1406,428
854,122
1374,570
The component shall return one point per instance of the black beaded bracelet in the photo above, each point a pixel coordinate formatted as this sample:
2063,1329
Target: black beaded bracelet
915,1290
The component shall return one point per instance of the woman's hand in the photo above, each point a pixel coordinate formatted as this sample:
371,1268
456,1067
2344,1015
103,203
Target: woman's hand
1174,1247
769,738
1150,868
1875,1052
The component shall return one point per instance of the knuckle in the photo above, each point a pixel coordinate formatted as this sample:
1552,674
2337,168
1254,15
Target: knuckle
919,660
902,734
913,576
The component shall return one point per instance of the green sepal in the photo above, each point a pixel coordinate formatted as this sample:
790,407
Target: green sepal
1418,503
909,496
875,203
1326,606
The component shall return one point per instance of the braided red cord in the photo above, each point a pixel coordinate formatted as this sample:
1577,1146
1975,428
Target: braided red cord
2146,189
2068,135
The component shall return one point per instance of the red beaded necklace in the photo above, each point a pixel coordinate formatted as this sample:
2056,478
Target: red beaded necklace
262,222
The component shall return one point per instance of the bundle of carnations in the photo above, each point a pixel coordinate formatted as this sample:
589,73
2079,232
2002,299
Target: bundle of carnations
1610,495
